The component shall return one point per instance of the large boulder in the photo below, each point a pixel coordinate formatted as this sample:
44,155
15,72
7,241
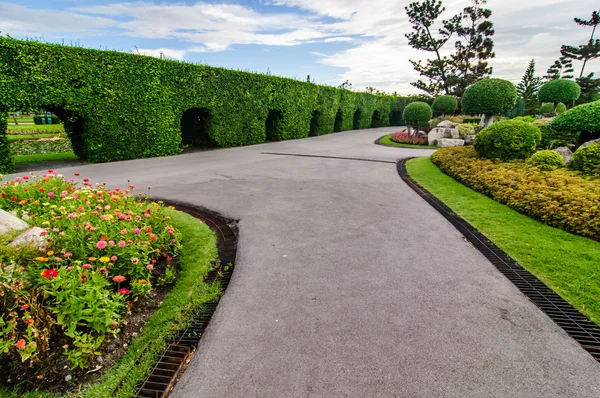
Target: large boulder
448,142
438,133
35,236
447,124
590,143
565,153
470,139
9,223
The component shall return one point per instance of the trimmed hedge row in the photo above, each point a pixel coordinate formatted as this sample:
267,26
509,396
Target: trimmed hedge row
36,147
559,198
119,106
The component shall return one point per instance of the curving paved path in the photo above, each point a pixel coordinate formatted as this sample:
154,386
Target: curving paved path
349,285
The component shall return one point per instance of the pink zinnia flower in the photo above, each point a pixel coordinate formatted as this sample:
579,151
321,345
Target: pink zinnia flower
114,258
50,194
124,291
87,266
68,254
136,231
119,278
122,243
101,244
111,242
150,267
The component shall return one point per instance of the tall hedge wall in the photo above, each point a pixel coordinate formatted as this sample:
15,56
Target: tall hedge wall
123,106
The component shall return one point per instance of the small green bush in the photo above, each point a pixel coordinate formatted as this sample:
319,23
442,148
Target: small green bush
490,97
548,107
508,140
526,119
587,159
417,113
444,104
583,118
546,159
465,129
561,90
560,198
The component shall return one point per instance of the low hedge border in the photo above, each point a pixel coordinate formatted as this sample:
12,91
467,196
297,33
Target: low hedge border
190,293
38,147
559,198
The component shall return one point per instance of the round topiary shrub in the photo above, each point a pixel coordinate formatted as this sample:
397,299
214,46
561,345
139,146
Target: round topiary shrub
490,97
561,90
548,107
587,159
584,119
508,140
417,114
444,104
546,159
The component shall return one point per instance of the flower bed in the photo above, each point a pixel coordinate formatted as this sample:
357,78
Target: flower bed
105,253
560,198
402,137
41,146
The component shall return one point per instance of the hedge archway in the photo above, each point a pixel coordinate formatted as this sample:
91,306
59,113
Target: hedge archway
376,119
273,125
314,123
339,121
356,120
195,123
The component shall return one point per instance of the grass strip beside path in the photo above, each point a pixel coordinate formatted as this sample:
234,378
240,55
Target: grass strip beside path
388,142
567,263
45,157
190,293
23,137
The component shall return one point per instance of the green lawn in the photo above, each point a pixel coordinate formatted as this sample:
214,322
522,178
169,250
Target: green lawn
569,264
388,142
23,137
47,157
32,128
11,120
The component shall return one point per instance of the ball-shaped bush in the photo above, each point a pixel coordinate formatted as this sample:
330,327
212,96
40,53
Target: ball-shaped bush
490,97
444,104
548,107
546,159
561,90
584,117
508,140
587,159
417,113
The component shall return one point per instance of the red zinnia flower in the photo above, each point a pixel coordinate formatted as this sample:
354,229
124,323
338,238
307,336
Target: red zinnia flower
124,291
13,198
76,174
50,273
20,344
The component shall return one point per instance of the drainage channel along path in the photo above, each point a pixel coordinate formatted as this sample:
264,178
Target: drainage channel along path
348,284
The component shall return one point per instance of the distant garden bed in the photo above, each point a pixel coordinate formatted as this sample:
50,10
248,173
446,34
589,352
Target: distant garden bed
402,140
96,295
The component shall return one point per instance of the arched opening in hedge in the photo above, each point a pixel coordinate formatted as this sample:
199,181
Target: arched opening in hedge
314,124
376,119
338,124
273,125
395,118
194,127
356,121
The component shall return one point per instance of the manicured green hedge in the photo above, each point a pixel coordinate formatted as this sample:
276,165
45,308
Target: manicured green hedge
37,147
489,96
587,159
559,198
546,159
6,164
507,140
123,106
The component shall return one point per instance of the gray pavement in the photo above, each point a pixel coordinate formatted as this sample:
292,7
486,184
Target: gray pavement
348,284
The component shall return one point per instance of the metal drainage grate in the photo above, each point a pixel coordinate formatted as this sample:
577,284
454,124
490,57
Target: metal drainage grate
558,309
166,372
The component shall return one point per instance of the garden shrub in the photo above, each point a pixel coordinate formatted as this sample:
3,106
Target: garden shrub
584,119
120,106
474,120
507,140
517,110
560,198
560,90
489,97
587,159
546,159
417,114
465,129
444,104
548,107
42,146
402,137
526,119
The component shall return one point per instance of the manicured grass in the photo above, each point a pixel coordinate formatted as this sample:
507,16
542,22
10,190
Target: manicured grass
23,137
190,293
35,128
46,157
569,264
388,142
11,120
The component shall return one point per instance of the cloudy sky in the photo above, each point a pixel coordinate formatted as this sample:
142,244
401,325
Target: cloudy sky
332,40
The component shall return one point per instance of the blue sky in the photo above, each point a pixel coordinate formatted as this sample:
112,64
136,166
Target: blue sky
332,40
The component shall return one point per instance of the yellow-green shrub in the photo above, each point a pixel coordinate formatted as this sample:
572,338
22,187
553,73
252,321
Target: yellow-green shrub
560,198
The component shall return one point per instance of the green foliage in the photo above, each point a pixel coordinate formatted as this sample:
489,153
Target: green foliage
444,104
507,140
559,90
490,97
465,129
44,120
528,88
548,107
546,159
35,129
417,113
559,198
517,110
587,159
526,119
38,147
119,106
474,120
582,118
6,164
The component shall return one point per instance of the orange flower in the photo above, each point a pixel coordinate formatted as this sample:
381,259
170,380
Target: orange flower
20,344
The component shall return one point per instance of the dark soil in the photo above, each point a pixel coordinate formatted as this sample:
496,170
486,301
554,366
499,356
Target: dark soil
54,374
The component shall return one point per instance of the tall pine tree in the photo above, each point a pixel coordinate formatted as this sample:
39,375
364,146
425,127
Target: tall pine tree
528,87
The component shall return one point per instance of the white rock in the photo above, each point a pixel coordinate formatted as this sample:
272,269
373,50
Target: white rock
9,223
447,124
565,153
32,236
438,133
470,139
597,140
448,142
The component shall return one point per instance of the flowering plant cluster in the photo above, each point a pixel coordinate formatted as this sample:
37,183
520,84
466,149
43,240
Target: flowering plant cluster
104,249
402,137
